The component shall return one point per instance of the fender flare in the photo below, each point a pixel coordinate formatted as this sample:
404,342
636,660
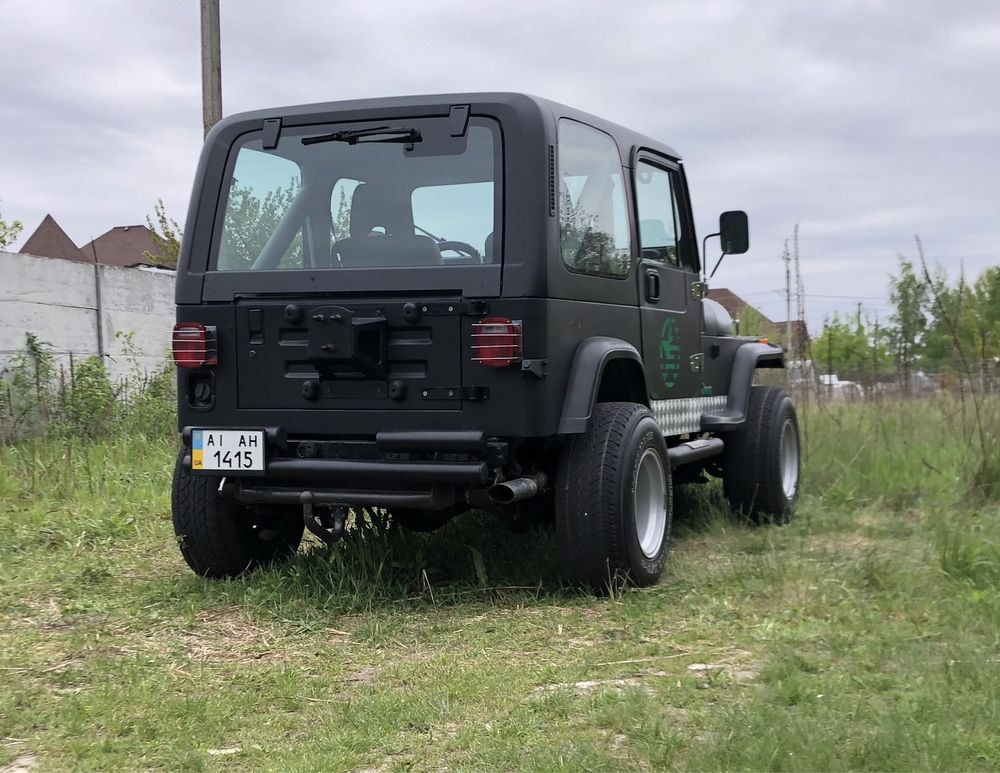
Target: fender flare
591,358
749,357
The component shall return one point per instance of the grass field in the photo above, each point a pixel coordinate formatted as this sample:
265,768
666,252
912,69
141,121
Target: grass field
866,635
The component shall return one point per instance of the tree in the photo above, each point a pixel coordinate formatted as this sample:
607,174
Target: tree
166,236
9,232
250,221
851,349
342,222
963,335
909,294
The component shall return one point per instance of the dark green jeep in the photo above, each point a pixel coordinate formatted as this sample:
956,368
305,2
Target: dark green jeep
429,304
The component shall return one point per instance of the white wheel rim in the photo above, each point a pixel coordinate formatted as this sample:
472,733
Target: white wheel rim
789,452
650,503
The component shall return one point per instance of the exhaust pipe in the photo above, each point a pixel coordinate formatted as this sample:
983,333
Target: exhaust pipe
511,491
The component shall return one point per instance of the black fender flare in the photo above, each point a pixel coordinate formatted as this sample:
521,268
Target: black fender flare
749,357
589,362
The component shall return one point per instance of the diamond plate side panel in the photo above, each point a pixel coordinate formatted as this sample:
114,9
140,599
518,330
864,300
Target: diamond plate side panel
683,415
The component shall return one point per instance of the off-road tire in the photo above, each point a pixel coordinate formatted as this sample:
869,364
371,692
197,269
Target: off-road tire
222,538
753,465
595,497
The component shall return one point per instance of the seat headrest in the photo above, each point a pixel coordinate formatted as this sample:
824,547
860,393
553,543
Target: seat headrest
372,207
653,233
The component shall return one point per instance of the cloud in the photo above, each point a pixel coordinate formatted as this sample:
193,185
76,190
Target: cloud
865,121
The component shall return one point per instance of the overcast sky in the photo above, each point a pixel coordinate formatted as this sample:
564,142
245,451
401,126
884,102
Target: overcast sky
864,121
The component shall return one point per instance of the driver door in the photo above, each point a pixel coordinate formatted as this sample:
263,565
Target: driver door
668,267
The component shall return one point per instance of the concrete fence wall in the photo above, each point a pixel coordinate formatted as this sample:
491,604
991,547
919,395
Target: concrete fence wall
80,309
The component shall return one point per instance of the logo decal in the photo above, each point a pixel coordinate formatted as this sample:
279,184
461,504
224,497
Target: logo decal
670,353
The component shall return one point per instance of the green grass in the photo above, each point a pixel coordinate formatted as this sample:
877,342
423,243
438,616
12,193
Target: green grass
866,635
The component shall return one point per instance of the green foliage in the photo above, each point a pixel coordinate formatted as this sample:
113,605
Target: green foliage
909,294
9,231
80,402
587,246
29,387
966,325
852,349
752,323
342,221
166,236
859,637
87,408
250,222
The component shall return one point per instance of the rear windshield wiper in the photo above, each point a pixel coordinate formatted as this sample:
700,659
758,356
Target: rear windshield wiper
399,134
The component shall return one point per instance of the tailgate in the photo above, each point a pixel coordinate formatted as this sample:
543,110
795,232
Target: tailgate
337,354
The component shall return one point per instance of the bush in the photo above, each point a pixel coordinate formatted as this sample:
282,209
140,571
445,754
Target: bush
37,399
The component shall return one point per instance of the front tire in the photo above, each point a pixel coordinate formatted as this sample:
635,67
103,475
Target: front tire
614,505
222,538
761,461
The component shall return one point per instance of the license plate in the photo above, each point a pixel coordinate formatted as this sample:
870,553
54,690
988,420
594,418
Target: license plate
228,450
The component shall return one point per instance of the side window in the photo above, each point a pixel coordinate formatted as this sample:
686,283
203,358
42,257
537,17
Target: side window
593,220
659,224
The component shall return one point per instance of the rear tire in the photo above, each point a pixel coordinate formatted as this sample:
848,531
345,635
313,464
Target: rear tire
222,538
614,499
761,460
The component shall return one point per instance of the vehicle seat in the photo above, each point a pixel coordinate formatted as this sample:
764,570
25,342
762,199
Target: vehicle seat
371,208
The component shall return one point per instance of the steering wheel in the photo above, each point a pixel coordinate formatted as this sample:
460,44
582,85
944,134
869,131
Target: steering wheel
462,248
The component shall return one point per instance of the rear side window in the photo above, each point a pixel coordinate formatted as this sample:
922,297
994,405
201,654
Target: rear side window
593,220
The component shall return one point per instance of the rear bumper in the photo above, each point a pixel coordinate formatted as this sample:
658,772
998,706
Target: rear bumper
417,470
337,471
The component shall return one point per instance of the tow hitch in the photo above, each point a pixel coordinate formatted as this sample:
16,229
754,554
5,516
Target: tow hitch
328,525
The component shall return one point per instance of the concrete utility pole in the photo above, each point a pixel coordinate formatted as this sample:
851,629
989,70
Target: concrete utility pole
211,64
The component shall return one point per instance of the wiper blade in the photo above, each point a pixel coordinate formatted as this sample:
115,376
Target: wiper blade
399,134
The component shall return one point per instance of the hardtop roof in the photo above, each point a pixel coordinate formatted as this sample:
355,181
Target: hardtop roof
527,106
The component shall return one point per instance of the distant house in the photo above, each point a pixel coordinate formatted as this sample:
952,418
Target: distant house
50,241
732,303
123,245
777,331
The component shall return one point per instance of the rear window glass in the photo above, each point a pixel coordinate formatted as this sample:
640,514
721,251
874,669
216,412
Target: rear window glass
364,196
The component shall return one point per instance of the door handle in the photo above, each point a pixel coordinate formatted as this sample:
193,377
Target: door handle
652,285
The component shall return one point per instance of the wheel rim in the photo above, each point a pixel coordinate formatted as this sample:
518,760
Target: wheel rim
789,459
649,503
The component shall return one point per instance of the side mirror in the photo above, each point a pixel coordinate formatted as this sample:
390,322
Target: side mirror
734,232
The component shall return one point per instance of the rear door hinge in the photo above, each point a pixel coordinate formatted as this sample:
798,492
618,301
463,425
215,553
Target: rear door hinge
697,362
537,368
472,393
699,290
413,310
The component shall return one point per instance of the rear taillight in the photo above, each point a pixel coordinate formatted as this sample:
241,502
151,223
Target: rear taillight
194,345
496,342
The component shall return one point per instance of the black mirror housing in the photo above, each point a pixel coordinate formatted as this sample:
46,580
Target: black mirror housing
734,232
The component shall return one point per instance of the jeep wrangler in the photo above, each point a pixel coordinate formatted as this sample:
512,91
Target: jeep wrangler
426,305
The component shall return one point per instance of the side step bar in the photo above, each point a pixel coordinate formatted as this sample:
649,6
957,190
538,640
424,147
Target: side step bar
695,451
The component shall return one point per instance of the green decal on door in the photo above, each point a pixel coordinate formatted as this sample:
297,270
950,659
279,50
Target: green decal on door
670,353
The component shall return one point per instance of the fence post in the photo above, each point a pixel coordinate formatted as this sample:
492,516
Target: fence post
98,310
